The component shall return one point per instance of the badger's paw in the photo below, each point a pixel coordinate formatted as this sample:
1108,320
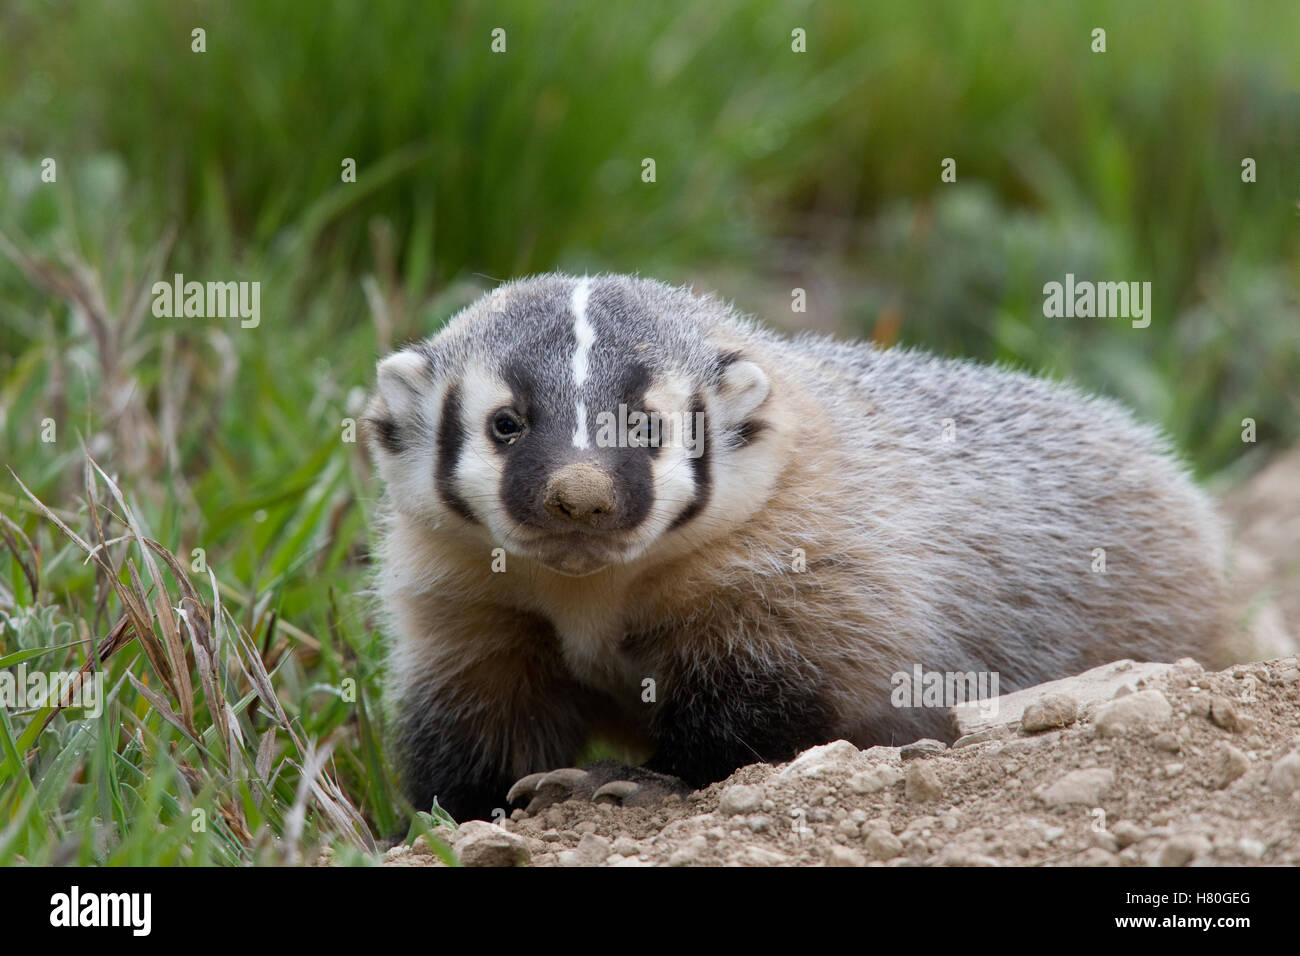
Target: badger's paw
605,781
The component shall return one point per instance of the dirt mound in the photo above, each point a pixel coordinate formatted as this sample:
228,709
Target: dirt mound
1265,515
1164,766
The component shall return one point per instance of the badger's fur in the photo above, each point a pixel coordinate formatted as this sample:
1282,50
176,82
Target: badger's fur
854,513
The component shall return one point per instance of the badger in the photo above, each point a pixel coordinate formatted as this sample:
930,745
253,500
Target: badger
619,510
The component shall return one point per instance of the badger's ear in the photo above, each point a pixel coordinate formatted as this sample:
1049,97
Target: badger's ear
743,388
403,378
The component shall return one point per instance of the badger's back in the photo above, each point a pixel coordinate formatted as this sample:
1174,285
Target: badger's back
994,520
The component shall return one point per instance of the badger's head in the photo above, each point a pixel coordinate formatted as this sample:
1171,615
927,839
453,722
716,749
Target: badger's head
579,423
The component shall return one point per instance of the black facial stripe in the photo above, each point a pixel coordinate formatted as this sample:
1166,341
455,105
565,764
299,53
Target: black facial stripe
699,466
635,383
631,467
388,435
451,438
746,432
528,462
653,449
520,383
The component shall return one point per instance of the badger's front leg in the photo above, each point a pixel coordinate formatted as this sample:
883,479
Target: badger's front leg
711,713
717,712
482,701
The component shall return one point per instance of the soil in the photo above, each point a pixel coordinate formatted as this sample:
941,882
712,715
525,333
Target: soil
1215,782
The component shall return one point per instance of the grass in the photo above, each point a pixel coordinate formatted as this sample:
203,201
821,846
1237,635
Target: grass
216,775
228,447
279,562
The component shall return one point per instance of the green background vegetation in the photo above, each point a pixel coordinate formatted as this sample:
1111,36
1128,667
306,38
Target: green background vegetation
774,170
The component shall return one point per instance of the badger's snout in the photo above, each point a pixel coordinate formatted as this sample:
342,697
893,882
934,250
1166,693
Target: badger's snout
582,494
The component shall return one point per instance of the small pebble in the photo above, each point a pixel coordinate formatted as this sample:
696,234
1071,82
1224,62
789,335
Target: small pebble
1229,764
1049,713
922,783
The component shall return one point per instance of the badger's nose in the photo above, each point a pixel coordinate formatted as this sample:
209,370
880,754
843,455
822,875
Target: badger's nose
580,493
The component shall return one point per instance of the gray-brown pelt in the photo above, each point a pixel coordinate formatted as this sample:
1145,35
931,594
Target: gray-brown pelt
854,512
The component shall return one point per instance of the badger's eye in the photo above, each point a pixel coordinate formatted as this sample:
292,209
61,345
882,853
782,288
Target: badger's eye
506,426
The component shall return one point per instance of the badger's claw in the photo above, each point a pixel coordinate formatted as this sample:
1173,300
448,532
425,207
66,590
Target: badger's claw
616,791
605,781
524,787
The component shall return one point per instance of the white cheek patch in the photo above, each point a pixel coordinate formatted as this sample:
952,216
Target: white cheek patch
409,474
477,476
742,478
584,334
410,482
674,483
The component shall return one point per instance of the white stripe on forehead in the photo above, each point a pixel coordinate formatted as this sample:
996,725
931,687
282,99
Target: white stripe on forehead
582,331
585,334
580,439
